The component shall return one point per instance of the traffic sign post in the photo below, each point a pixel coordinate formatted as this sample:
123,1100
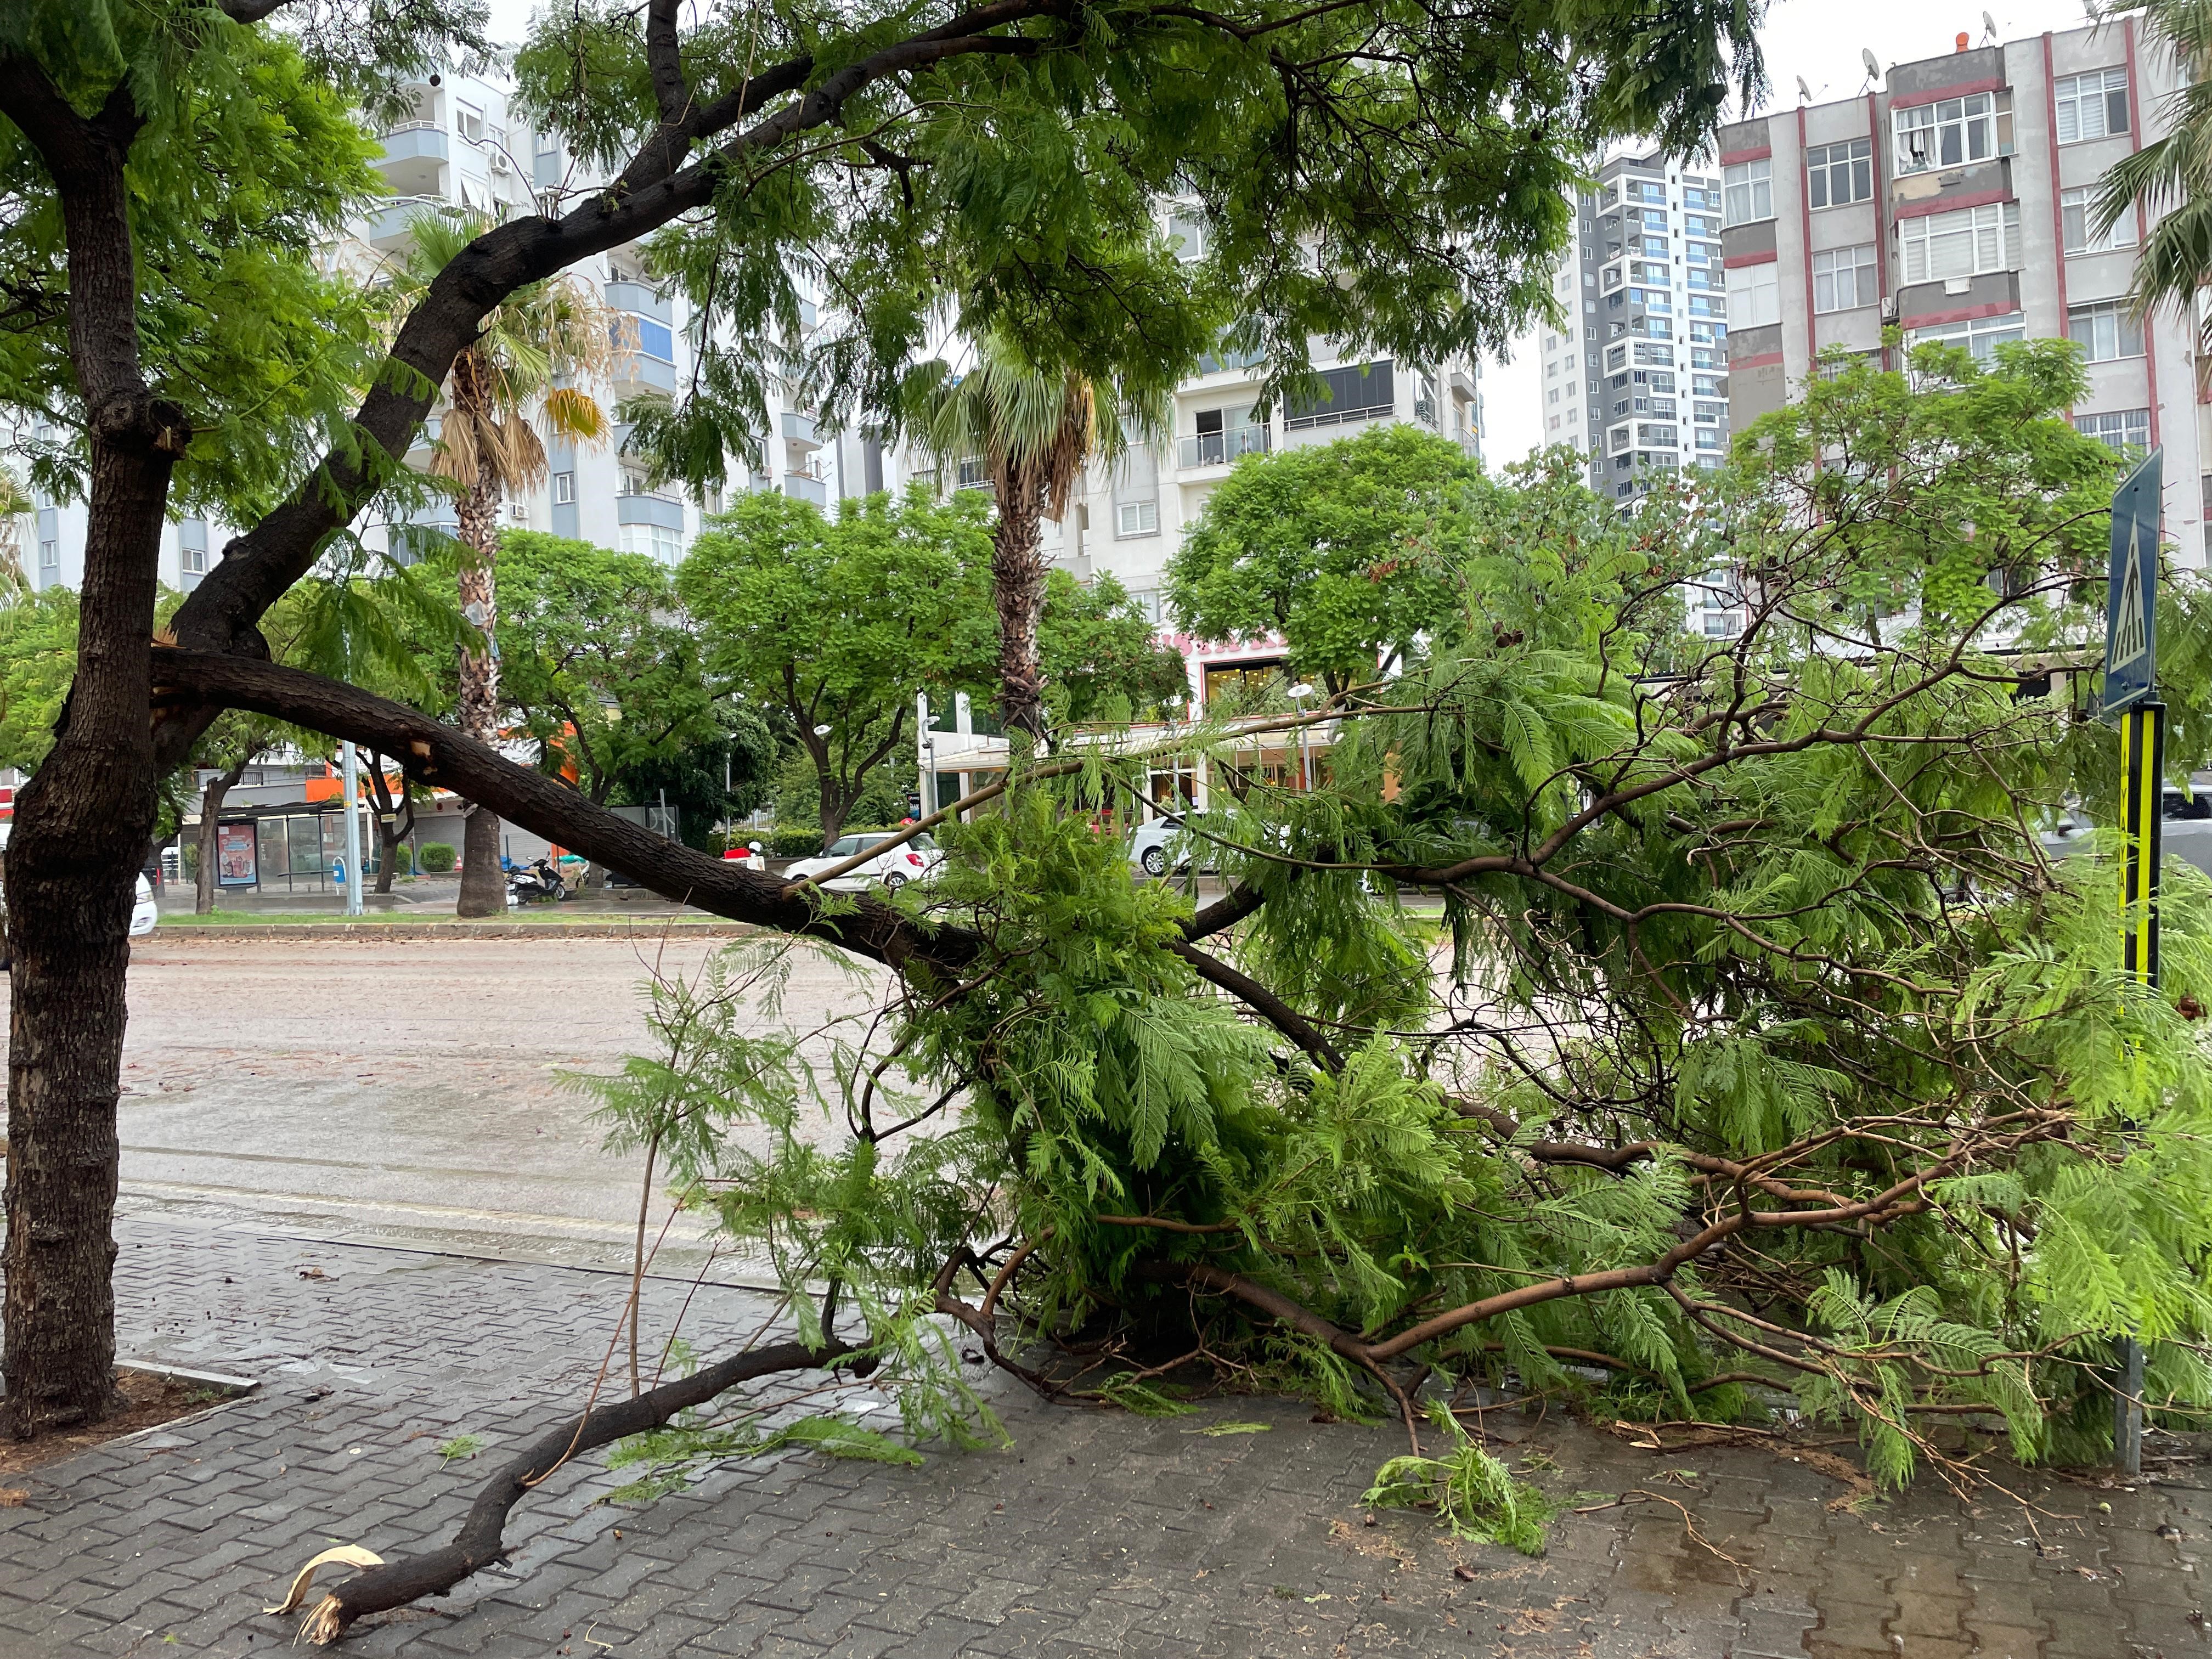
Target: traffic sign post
2130,694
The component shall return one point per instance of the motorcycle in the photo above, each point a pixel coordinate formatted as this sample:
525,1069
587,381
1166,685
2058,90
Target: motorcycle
536,881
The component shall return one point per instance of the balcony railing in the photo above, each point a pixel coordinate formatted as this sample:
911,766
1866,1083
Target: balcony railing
1220,448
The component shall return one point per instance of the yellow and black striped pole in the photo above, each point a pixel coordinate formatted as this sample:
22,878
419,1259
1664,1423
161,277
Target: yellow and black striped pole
2143,770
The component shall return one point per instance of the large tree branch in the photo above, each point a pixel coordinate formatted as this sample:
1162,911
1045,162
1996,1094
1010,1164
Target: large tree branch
435,753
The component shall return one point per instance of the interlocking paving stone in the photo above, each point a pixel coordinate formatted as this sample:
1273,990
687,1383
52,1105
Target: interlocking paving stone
1097,1534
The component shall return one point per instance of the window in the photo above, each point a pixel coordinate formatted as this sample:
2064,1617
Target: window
656,339
1838,174
50,555
656,540
1700,225
1355,392
1749,191
1846,278
1652,299
564,488
1706,385
2127,429
2076,211
192,547
1643,271
469,119
1953,131
1970,242
1138,519
1658,357
633,484
1708,438
2092,106
547,143
1712,412
2105,331
1655,435
1186,233
1755,294
1980,335
1704,306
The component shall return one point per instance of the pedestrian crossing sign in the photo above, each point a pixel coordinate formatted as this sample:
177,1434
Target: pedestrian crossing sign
2131,598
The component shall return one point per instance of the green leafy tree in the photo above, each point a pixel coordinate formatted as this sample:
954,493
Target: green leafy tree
838,623
38,657
1349,550
2170,178
1102,659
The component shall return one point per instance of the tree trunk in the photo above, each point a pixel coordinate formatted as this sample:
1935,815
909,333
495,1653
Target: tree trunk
83,820
392,825
484,883
1017,590
204,888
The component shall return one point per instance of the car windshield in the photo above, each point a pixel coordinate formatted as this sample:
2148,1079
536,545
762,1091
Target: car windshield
843,847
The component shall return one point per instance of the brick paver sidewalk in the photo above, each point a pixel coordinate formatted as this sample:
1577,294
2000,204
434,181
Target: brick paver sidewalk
1098,1534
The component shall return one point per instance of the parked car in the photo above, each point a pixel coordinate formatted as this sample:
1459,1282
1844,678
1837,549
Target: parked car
2185,833
913,859
143,913
1163,845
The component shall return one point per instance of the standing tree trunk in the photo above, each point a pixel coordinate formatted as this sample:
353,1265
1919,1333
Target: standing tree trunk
83,820
391,830
1017,590
483,885
204,887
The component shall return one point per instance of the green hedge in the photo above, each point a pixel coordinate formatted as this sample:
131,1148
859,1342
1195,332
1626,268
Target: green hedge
793,843
437,857
402,859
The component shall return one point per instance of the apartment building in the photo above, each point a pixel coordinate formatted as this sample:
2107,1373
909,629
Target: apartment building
462,146
1637,377
1954,202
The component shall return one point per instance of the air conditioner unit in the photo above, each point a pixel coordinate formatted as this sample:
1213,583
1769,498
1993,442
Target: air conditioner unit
1889,308
518,511
497,161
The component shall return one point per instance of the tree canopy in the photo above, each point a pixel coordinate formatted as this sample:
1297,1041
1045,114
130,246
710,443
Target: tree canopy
1351,550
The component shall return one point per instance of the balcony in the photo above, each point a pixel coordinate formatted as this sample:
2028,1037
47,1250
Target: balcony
805,487
638,298
414,141
633,369
393,225
798,431
1220,448
650,508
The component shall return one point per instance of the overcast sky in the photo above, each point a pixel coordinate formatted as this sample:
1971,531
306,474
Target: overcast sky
1818,39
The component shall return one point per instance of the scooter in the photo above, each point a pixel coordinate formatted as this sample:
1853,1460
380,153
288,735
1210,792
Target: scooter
537,880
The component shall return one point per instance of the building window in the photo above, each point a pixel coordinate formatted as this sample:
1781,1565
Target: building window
633,484
1981,335
469,120
1708,438
1953,131
1838,174
2077,213
2092,106
1846,278
1356,391
1186,235
1138,519
564,488
192,547
657,540
1970,242
2105,331
653,339
2129,428
50,555
1754,294
1749,189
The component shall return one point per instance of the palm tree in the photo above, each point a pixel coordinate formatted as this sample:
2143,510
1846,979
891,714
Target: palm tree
532,346
14,507
1036,431
2171,177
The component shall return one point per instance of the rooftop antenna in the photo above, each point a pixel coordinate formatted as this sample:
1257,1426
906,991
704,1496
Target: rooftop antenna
1989,30
1873,68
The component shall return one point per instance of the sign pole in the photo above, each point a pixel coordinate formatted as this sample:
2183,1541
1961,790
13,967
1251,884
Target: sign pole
2131,693
352,829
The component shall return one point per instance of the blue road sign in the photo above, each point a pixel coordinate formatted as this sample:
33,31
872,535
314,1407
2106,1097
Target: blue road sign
2132,601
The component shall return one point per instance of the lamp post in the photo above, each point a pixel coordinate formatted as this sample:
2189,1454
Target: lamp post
1299,693
352,770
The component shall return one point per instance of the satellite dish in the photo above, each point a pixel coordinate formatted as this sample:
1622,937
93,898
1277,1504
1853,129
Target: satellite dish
1989,29
1873,65
1804,92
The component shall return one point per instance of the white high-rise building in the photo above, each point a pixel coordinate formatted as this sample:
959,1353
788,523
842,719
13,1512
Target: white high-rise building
1638,378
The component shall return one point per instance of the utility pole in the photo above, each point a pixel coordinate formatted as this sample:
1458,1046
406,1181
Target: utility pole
925,754
2131,693
351,767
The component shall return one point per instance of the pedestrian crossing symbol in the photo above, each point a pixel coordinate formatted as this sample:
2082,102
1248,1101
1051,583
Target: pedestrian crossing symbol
2132,601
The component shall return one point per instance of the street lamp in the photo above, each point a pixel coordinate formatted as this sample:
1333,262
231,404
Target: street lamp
1299,693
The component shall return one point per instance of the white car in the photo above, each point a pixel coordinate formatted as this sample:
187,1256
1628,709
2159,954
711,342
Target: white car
1163,845
144,915
910,860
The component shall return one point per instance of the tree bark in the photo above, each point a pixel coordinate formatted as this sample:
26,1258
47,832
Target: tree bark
394,819
83,820
484,883
204,888
1017,590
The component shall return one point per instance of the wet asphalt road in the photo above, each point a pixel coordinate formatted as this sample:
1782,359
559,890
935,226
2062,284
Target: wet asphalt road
407,1091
